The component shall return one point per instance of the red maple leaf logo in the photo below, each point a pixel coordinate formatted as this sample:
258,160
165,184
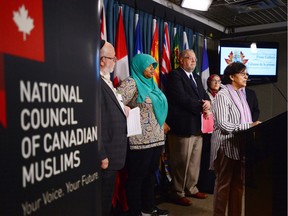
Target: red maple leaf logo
21,29
242,56
231,58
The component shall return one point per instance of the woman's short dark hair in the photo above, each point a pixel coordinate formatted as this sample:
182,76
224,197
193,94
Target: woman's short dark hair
231,69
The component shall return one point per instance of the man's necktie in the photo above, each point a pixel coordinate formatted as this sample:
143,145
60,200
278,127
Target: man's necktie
193,82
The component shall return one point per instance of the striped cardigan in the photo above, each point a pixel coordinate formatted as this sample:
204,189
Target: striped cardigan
226,125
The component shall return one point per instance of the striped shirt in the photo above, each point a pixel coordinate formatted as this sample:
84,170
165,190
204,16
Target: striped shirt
226,124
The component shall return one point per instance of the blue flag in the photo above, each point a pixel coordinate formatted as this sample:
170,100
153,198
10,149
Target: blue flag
205,73
138,37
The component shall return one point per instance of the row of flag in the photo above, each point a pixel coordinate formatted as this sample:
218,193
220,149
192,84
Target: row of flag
121,70
165,66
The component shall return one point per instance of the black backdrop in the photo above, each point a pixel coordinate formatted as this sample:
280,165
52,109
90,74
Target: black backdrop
71,32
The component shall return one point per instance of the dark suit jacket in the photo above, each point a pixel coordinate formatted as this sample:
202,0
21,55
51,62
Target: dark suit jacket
253,103
184,103
113,129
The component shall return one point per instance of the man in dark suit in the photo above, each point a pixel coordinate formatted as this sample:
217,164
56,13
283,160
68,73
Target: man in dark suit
113,127
253,104
187,99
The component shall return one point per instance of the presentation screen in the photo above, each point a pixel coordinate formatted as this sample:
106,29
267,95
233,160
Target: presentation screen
261,62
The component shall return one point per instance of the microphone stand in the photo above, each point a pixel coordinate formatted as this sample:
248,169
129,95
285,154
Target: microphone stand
280,92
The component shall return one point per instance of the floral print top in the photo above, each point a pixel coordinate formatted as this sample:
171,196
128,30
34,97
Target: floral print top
152,133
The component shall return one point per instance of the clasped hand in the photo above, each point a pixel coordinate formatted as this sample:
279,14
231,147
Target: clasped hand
206,107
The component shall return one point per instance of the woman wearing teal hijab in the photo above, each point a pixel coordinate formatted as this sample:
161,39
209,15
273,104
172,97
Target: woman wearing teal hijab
140,90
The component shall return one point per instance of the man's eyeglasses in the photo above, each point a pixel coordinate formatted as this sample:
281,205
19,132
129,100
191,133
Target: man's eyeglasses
191,58
111,58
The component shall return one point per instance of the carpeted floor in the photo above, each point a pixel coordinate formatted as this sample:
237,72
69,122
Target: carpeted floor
198,207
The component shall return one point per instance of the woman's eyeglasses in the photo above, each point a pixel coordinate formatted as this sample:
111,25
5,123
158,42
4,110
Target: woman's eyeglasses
243,74
216,81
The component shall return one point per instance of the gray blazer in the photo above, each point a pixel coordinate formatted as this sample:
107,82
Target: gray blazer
113,140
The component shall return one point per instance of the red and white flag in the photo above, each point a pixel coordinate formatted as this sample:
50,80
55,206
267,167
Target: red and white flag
166,52
103,22
166,64
3,119
121,70
21,29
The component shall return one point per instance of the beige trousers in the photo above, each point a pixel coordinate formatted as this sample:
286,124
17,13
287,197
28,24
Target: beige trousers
184,158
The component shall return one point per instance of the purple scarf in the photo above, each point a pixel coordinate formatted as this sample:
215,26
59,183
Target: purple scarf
239,99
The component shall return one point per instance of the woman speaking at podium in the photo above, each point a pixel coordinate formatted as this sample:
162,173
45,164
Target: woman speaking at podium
231,115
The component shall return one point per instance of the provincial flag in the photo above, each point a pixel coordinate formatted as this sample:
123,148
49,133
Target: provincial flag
205,66
176,50
165,64
121,70
21,29
103,22
155,51
138,48
185,41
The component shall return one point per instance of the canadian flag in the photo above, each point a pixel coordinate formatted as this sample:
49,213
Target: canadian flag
121,70
3,119
21,28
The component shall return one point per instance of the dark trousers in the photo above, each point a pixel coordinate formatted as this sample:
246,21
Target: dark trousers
206,177
108,185
141,165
